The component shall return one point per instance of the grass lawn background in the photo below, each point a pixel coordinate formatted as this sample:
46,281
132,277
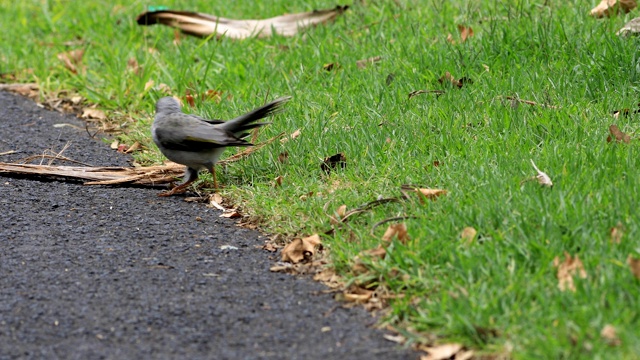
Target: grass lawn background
497,295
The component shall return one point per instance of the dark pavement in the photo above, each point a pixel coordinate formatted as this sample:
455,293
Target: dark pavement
97,272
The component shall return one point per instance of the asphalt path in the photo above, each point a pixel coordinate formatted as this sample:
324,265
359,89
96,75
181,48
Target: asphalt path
98,272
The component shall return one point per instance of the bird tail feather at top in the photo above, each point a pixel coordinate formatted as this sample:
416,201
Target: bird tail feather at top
244,122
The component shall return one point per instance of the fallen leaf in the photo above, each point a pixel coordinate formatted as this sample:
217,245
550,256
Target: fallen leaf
333,161
270,247
231,214
341,211
277,181
359,267
91,113
301,249
366,62
618,135
189,100
283,157
136,146
389,79
616,232
114,144
72,60
634,265
543,178
630,28
329,277
148,85
609,334
567,269
397,338
331,66
450,38
468,234
418,92
396,230
30,90
357,294
447,78
293,135
441,352
423,193
612,7
133,66
465,32
164,88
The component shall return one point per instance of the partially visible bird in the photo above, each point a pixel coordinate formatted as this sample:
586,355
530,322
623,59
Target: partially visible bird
198,143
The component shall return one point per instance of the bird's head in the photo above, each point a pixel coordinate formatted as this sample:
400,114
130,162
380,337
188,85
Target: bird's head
167,105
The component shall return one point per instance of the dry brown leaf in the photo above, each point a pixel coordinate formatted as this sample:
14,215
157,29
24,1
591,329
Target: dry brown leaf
609,334
270,247
91,113
360,267
30,90
424,193
612,7
543,178
301,249
283,157
329,277
450,38
616,232
165,89
366,62
567,269
293,135
333,161
135,147
190,100
396,230
630,28
331,66
418,92
468,234
397,338
441,352
634,266
357,294
465,32
114,144
148,85
447,78
72,60
231,214
133,66
277,182
618,135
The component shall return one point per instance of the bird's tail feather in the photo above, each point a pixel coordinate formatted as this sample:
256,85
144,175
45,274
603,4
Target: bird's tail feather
245,122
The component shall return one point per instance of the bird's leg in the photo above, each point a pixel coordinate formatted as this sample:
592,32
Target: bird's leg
212,170
189,176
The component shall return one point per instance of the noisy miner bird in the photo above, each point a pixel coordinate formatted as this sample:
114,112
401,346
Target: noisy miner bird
198,143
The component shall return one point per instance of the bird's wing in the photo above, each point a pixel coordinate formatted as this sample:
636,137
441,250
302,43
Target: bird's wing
191,133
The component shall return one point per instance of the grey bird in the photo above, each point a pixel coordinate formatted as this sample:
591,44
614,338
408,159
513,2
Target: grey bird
198,143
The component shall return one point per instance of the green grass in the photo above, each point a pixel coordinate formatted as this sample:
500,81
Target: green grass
496,295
